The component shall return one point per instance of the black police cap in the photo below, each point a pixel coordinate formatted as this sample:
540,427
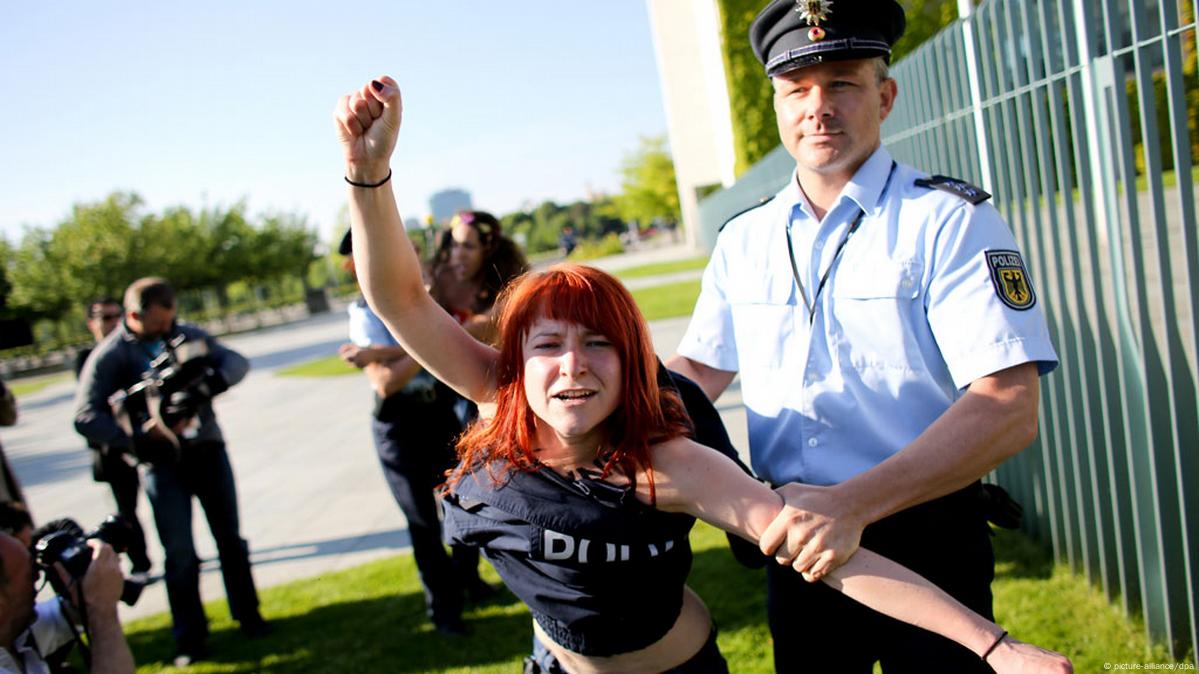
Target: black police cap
346,246
792,34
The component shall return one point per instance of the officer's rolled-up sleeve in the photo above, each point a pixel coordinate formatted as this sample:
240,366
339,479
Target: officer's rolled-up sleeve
710,338
366,329
977,332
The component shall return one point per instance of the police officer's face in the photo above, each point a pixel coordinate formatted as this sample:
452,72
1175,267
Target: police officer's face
466,252
829,114
572,378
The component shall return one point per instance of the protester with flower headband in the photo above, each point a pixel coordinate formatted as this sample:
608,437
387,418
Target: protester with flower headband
474,260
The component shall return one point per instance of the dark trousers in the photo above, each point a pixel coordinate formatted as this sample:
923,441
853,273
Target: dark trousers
817,629
415,448
203,472
125,484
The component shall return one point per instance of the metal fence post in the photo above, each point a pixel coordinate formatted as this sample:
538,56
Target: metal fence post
966,12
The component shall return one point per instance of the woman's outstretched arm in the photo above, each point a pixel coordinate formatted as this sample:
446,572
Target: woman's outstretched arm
696,479
368,124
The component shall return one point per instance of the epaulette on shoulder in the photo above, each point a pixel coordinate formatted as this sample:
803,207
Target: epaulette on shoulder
960,188
761,202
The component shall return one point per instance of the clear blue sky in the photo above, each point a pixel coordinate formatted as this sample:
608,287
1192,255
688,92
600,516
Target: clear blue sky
209,102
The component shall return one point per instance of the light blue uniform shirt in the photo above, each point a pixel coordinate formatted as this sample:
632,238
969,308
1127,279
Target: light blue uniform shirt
367,329
910,315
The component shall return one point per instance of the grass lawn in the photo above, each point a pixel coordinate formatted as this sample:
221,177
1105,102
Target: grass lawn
24,387
667,301
663,268
371,619
329,366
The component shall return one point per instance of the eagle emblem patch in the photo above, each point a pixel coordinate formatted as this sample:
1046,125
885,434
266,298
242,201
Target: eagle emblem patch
1011,279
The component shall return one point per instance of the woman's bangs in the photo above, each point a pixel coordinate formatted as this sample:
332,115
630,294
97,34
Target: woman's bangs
570,298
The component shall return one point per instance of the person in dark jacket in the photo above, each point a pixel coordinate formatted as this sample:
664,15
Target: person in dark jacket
112,466
182,445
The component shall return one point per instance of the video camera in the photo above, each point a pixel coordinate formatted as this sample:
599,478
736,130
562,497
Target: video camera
64,542
172,390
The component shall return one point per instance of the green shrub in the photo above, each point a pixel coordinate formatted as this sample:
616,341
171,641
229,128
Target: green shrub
591,249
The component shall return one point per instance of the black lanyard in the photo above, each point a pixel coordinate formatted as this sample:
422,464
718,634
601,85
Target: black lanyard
853,227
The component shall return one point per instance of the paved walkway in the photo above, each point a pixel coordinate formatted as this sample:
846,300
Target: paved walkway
313,500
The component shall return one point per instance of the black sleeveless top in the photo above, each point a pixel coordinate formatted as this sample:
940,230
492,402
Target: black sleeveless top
601,572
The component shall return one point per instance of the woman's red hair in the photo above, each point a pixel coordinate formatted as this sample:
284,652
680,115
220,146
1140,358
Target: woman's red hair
587,296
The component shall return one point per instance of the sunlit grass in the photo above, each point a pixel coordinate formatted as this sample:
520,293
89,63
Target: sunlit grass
328,366
371,619
24,387
659,268
667,301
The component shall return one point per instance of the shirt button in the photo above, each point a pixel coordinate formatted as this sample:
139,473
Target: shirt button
818,245
812,442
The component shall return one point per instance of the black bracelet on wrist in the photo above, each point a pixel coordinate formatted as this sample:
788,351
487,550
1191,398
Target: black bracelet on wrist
378,184
995,645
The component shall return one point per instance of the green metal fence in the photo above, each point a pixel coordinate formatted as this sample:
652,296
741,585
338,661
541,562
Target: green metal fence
1044,104
1074,114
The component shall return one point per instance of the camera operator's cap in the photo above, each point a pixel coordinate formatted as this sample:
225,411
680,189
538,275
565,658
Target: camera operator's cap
792,34
346,246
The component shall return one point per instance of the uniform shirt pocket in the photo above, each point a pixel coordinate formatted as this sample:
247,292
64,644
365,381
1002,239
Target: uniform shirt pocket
876,314
764,315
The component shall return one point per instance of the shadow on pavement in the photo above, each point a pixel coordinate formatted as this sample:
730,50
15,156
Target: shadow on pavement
26,405
50,467
392,539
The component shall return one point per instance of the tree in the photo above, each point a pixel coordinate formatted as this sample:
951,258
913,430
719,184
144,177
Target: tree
174,244
90,254
648,184
926,18
286,246
6,262
750,93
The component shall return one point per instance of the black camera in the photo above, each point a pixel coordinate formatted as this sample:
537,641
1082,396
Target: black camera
64,542
178,383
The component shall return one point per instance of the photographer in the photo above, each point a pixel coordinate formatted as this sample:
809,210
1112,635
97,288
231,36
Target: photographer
111,465
10,489
180,443
27,631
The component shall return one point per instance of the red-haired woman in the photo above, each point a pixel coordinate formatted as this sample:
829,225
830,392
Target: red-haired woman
583,487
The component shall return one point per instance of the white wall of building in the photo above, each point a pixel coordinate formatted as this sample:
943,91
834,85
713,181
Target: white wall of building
695,92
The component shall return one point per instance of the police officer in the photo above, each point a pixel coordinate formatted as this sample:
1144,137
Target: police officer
414,428
889,343
185,461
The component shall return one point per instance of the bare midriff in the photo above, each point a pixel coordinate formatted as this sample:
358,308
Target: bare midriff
688,635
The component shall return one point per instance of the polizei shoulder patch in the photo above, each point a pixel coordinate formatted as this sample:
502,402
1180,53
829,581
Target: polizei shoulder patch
1011,279
961,188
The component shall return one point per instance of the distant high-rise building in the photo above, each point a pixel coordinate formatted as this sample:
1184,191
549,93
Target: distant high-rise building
444,204
412,223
